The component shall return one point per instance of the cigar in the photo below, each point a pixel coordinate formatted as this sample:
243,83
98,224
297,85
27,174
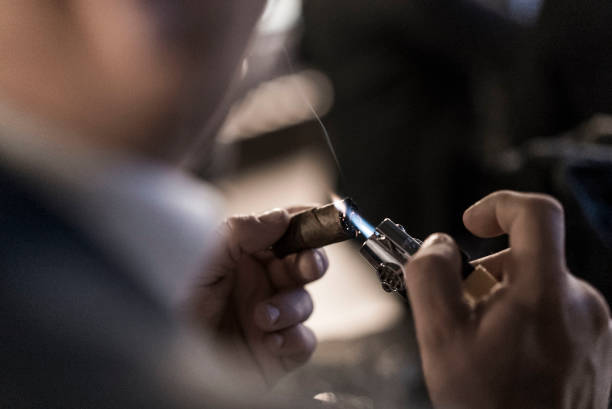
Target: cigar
317,227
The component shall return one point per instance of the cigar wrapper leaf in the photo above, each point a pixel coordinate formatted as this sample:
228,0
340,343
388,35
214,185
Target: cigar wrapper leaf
316,227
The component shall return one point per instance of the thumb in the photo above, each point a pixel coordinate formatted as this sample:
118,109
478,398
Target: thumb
251,234
433,282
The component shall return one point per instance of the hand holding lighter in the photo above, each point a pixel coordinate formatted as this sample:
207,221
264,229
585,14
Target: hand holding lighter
389,249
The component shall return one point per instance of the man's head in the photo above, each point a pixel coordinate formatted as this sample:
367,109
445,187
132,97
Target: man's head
128,74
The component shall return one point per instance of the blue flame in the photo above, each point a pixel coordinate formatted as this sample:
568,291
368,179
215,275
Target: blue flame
359,223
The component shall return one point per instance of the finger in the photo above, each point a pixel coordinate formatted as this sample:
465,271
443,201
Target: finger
495,263
310,265
251,234
295,362
280,276
533,222
295,342
283,310
285,350
297,270
266,256
433,282
293,210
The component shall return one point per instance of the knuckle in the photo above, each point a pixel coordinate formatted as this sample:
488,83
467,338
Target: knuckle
438,238
545,205
536,202
237,222
233,229
503,194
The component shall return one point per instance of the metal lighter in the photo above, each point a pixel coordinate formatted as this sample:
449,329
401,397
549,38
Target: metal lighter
389,248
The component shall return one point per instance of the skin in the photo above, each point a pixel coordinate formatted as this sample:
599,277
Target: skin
145,76
150,78
542,339
255,301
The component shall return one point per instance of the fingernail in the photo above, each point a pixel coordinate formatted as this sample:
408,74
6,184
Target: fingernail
273,216
321,261
311,266
437,238
272,313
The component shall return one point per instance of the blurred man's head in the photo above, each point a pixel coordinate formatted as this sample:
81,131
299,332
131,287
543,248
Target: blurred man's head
135,74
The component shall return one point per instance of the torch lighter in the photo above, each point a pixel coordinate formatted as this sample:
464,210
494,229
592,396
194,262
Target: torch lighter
388,249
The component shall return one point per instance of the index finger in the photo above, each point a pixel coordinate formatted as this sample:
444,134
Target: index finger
534,223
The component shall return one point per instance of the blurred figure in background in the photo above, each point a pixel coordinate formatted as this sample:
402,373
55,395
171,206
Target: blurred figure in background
118,289
105,245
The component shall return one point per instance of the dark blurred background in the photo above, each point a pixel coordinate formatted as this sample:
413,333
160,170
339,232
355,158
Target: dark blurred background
439,103
430,105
